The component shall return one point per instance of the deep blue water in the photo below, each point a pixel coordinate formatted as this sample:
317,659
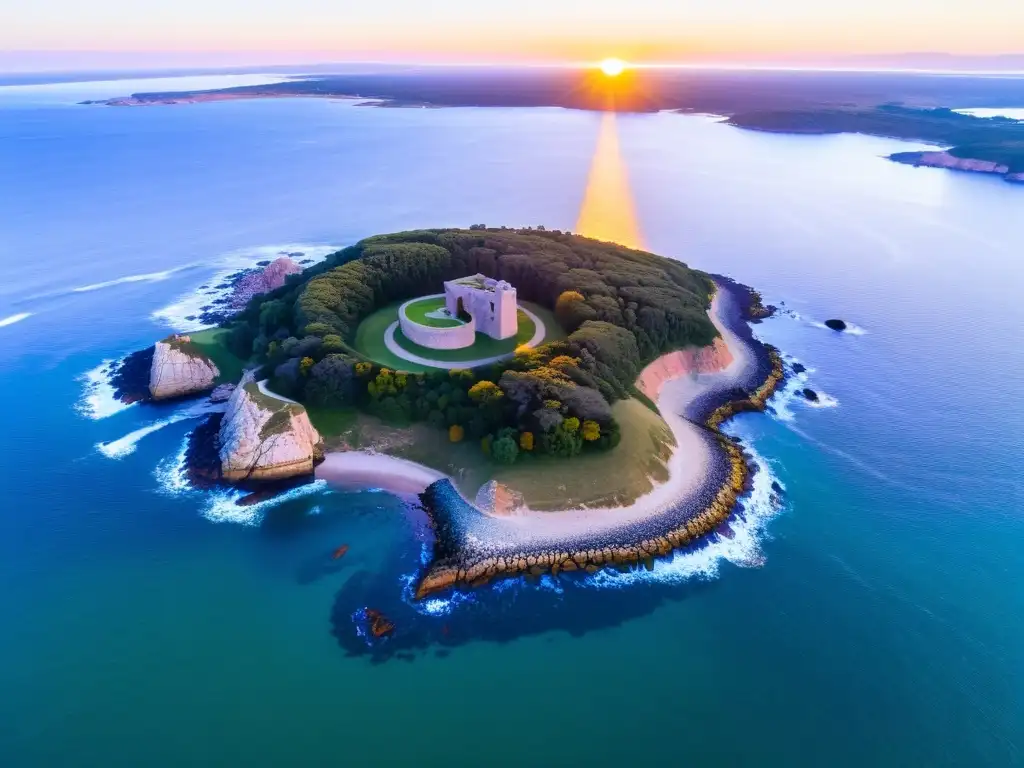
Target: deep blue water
885,626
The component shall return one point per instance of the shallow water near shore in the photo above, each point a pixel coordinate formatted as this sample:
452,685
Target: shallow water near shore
874,618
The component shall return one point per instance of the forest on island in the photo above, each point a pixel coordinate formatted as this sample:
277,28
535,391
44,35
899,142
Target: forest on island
621,308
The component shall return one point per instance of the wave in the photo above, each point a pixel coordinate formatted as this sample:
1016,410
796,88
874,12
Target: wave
118,449
12,319
743,549
220,506
98,400
186,313
149,277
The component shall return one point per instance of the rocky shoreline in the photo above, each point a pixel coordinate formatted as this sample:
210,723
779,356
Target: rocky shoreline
941,159
465,558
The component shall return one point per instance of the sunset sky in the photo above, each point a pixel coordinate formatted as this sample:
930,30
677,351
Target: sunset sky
261,31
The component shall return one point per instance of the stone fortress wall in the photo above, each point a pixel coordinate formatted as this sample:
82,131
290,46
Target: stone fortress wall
492,303
456,337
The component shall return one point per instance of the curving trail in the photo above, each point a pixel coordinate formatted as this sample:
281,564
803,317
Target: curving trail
395,349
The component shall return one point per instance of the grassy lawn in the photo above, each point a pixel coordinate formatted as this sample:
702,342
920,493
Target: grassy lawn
213,344
418,312
613,478
369,340
331,422
484,346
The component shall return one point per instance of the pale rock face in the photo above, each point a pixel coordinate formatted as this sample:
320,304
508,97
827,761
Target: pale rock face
685,362
177,374
946,160
1017,178
259,441
498,500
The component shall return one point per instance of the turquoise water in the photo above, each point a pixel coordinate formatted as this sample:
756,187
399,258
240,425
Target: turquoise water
140,626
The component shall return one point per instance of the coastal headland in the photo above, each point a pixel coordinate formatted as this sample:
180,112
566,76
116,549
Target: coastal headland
910,106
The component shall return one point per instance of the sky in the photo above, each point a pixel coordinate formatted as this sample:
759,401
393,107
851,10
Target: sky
227,32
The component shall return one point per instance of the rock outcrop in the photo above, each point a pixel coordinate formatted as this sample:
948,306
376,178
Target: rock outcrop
266,437
179,369
947,160
810,394
497,499
684,362
835,324
270,278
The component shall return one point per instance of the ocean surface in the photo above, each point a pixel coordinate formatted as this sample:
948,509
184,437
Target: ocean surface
876,618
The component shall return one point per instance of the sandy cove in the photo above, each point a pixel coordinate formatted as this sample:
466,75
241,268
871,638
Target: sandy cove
695,390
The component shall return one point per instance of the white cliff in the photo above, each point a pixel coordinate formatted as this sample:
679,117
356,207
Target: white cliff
265,437
178,370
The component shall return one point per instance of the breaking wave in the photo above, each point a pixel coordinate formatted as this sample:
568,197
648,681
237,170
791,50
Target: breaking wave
98,400
118,449
185,314
219,506
12,319
149,277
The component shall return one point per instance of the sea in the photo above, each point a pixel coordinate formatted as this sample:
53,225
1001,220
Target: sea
870,614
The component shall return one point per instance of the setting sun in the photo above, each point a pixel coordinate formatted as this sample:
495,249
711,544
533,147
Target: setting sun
612,67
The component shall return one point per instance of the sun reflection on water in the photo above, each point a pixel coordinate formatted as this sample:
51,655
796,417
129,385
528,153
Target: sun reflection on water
607,211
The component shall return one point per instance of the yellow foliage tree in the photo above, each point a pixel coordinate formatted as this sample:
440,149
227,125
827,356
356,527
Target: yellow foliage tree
571,424
456,433
485,392
526,441
363,368
305,364
591,431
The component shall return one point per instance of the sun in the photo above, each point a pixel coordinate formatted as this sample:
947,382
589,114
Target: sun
612,67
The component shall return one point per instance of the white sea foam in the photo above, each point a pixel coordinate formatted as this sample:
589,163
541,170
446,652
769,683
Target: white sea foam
743,549
97,400
221,506
118,449
184,314
149,277
12,319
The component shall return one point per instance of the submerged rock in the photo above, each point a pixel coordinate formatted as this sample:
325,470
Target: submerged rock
835,325
266,437
179,369
810,394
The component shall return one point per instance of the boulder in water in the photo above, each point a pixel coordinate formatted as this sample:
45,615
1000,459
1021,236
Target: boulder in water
265,437
810,394
799,367
179,369
835,324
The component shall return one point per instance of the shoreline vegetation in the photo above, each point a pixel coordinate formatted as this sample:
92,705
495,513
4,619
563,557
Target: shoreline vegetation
599,447
905,106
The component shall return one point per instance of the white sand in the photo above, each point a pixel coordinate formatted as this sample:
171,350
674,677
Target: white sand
363,470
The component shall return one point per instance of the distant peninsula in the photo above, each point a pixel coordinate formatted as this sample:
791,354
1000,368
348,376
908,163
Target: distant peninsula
553,402
914,107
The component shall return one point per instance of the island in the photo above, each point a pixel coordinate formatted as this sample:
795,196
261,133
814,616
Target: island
910,106
555,403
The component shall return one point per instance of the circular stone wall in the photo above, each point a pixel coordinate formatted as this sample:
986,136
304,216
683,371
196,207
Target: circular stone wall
434,337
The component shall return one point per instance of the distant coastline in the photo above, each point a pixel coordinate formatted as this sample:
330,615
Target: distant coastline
891,105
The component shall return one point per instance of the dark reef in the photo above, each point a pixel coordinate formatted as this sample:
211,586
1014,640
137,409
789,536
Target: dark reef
130,376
